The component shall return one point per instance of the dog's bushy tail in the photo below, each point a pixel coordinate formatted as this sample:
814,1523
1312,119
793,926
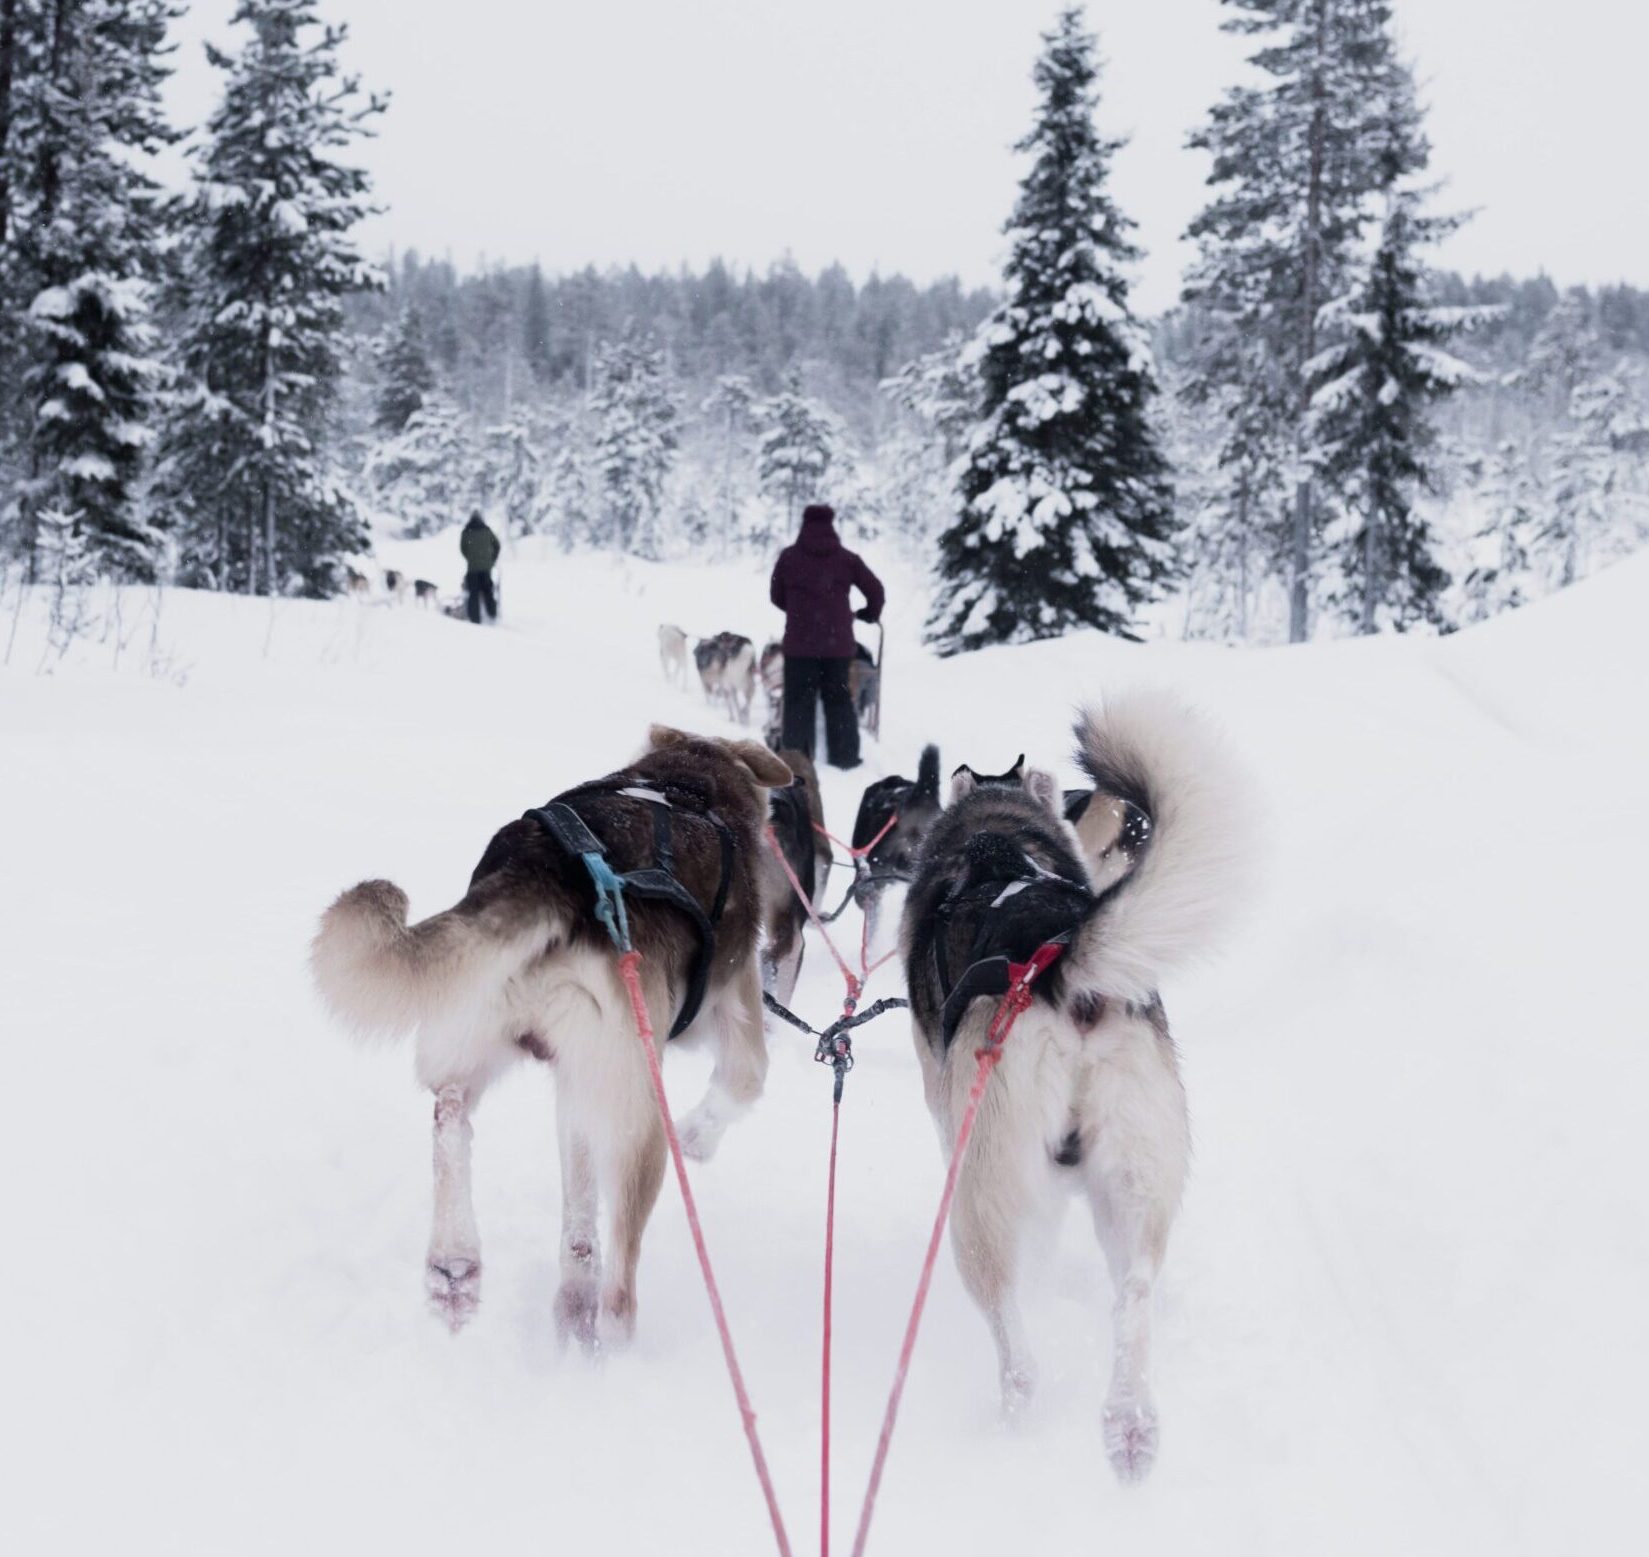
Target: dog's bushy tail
381,976
927,775
1153,751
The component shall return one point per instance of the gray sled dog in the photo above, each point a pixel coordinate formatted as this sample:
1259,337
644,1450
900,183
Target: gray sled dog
1087,1098
520,968
727,672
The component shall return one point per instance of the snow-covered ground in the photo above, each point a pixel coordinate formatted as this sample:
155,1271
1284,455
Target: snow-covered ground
1402,1307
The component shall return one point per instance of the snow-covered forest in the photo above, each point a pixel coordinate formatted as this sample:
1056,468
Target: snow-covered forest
218,386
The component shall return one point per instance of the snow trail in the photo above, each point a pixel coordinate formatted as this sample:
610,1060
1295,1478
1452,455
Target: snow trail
1399,1311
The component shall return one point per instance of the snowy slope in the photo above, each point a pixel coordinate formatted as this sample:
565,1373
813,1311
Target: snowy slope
1401,1308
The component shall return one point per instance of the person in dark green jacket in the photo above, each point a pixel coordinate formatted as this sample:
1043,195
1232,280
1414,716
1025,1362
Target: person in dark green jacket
480,548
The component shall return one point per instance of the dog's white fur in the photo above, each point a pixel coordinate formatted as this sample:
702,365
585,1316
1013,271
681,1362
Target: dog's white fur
1113,1082
672,653
1193,875
471,992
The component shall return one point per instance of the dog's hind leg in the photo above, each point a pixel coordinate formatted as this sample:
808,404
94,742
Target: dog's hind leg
741,1065
988,1225
452,1272
1135,1174
577,1302
636,1171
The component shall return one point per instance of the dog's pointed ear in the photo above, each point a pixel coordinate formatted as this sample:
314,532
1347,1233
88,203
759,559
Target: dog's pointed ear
1044,789
660,736
963,782
1017,771
762,765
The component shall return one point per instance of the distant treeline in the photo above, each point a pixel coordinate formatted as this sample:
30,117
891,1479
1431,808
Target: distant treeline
497,334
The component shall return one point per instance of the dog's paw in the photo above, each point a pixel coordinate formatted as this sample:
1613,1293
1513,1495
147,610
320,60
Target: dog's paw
700,1133
578,1313
452,1283
1131,1439
1018,1389
618,1318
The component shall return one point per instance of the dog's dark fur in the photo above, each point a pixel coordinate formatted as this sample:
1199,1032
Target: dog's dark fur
795,814
521,967
917,806
981,842
1015,776
770,669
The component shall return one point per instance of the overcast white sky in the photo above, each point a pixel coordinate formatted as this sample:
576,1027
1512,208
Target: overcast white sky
877,132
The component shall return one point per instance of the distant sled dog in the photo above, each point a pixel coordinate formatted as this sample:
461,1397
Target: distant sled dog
727,672
520,968
1087,1098
672,654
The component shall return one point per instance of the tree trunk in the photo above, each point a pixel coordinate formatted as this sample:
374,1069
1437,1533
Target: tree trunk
268,475
1299,607
1242,557
50,176
1371,568
8,65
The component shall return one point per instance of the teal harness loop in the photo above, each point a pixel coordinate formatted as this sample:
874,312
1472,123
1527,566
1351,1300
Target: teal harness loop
609,899
656,883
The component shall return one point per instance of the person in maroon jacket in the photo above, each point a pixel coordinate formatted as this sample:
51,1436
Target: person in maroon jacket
812,584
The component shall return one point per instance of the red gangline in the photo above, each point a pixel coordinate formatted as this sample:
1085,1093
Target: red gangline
858,854
629,966
824,1385
855,985
1012,1004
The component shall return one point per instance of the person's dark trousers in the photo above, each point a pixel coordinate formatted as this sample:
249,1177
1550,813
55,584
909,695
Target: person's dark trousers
478,592
805,682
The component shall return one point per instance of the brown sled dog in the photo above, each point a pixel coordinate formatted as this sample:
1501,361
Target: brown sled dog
521,967
795,814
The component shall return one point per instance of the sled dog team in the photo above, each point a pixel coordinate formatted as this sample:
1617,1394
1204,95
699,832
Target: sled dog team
1137,873
730,670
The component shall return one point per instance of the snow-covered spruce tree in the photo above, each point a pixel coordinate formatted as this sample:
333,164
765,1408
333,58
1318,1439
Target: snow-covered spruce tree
800,444
403,361
940,390
87,225
937,395
1384,367
1294,166
428,475
635,438
1066,513
1503,575
1593,516
247,456
1589,513
728,408
512,472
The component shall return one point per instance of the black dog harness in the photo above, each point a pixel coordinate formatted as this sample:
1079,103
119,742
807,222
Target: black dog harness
1017,906
657,882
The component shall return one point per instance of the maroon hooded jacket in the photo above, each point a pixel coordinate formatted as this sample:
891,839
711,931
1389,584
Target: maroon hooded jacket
811,584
